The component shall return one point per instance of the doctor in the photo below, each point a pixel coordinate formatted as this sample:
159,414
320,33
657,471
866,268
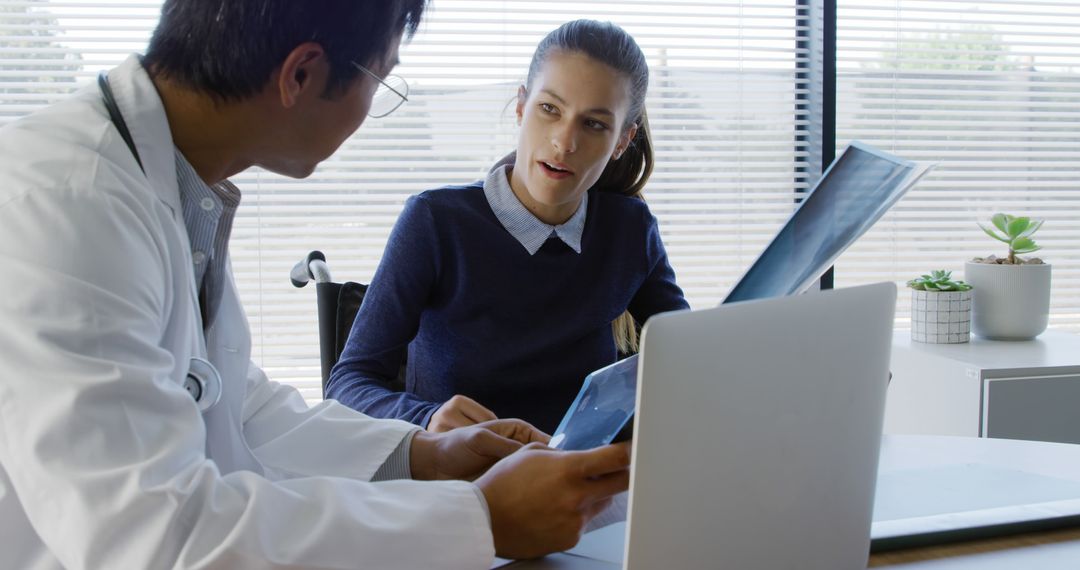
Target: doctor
134,431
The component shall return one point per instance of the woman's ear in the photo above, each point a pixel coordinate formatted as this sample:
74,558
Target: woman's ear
624,142
519,109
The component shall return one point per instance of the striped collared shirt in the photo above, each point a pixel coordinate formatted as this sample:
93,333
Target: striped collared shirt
208,217
529,230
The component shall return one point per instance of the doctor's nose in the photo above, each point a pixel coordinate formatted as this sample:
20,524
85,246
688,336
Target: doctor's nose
564,140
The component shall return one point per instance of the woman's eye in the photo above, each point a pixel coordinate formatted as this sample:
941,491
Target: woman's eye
595,125
547,107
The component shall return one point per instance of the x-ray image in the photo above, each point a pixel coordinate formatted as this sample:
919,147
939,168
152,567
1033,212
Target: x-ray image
601,410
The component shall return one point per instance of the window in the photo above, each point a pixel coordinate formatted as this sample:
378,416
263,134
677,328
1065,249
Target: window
990,89
724,107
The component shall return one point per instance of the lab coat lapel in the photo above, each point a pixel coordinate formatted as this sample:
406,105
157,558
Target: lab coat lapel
144,114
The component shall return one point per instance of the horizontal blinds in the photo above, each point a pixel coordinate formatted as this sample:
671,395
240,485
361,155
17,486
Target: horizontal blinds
990,90
723,108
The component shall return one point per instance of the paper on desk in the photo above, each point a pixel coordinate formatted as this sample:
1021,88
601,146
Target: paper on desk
607,544
967,496
975,519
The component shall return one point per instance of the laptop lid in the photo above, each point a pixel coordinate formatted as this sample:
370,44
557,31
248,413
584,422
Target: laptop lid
854,192
757,432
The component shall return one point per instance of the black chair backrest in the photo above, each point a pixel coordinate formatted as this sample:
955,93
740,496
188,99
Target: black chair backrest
326,295
338,304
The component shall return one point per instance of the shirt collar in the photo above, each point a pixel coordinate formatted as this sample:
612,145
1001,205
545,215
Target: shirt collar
208,213
526,228
224,194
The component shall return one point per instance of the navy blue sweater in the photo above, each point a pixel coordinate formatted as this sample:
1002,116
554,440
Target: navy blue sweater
481,317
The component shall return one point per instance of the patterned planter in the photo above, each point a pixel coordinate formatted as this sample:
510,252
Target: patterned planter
941,317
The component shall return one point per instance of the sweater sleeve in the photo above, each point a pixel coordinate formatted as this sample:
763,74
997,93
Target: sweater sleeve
388,320
658,293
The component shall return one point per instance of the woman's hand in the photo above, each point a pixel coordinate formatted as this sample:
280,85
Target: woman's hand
459,411
468,452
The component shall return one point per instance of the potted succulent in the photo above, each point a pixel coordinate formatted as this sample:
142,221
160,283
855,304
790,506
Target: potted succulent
940,309
1014,292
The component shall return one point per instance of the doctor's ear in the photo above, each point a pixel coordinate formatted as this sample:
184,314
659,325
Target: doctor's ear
298,72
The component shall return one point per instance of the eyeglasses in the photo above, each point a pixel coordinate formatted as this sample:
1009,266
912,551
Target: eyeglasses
392,92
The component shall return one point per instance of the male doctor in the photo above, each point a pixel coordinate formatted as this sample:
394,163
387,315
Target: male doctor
118,315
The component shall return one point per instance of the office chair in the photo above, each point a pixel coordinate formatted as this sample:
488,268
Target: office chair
337,304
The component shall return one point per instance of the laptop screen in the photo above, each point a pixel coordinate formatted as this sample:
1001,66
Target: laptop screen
856,190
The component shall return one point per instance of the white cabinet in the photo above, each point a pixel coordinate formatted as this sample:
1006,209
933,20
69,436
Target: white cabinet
1014,390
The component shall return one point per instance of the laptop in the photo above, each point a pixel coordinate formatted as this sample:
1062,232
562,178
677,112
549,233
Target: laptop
745,459
860,185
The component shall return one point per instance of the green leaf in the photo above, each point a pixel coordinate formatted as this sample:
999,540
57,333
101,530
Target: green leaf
1034,227
1022,243
994,234
1017,226
1001,222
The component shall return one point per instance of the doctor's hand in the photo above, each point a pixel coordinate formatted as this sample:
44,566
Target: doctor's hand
459,411
467,452
541,499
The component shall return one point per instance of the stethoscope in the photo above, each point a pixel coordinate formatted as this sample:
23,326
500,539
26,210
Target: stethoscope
202,381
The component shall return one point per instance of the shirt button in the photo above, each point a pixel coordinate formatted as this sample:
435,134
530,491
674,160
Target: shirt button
198,257
207,204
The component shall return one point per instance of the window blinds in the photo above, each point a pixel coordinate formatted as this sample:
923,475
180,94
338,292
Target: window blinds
991,91
724,108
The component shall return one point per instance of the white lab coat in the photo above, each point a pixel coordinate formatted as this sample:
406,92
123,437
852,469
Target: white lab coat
105,461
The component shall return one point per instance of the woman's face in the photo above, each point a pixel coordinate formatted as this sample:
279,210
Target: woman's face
572,122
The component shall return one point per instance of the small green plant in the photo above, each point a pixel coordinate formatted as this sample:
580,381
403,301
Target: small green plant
1016,231
938,280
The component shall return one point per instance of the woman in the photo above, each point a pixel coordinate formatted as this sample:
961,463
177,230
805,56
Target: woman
508,291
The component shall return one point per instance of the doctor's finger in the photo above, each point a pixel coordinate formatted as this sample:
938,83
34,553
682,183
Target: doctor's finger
603,488
487,443
594,509
602,460
519,430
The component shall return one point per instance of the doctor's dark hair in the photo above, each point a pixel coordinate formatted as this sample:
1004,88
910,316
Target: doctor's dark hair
229,48
609,44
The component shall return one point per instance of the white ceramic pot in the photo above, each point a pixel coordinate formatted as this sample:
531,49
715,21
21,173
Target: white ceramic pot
940,317
1013,301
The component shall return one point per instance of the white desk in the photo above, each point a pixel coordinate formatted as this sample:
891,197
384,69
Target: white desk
938,457
1024,390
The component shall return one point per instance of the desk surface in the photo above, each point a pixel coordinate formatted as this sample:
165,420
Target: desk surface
899,454
1053,348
